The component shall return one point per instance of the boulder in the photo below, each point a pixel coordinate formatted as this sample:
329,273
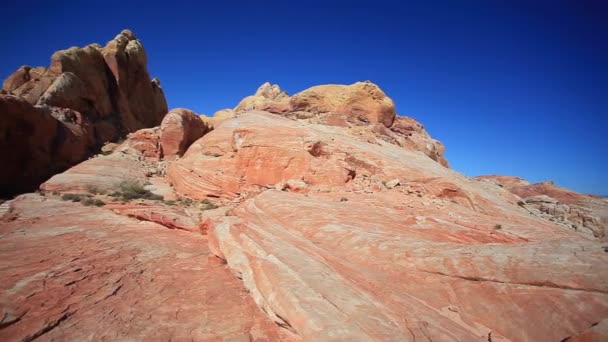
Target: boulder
359,103
179,129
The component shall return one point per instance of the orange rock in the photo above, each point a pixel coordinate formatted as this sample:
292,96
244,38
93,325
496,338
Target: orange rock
362,103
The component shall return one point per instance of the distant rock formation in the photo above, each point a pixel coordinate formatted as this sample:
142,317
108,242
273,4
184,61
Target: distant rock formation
55,117
586,214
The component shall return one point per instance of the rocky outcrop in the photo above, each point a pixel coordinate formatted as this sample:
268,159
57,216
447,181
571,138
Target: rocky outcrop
268,97
362,106
91,95
586,214
179,129
360,103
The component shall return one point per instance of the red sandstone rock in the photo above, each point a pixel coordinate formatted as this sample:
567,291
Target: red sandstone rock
179,129
71,272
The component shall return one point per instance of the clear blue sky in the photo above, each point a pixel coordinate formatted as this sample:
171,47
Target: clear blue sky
510,87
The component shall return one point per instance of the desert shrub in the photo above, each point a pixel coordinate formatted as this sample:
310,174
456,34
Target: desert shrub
96,191
72,197
498,226
130,190
207,205
90,201
521,203
55,193
343,199
185,200
169,202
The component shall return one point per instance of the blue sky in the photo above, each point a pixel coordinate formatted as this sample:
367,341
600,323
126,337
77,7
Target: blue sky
510,87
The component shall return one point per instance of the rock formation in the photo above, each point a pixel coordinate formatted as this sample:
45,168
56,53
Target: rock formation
362,106
179,129
86,97
323,217
586,214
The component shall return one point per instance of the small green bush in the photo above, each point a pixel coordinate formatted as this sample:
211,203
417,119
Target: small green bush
96,202
72,197
130,190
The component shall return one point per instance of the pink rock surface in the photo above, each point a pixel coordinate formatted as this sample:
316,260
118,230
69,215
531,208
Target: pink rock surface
78,273
386,267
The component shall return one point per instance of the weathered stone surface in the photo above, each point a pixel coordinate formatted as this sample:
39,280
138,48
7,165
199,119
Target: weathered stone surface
103,172
385,266
107,89
77,273
179,129
361,102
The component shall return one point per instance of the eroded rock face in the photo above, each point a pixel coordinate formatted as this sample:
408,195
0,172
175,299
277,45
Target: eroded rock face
585,214
107,88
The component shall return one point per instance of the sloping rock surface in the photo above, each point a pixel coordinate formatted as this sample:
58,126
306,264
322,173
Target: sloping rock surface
77,273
